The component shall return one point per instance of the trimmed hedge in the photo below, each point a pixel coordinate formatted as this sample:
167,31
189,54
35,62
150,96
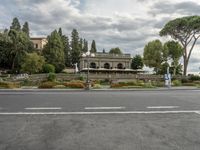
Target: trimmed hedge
9,85
74,85
47,85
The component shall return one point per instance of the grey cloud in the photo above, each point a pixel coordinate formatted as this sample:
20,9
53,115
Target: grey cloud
183,8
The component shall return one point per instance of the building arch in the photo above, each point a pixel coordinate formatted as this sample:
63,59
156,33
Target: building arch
107,66
120,66
93,65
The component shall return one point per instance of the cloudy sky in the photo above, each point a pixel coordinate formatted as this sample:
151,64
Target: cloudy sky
128,24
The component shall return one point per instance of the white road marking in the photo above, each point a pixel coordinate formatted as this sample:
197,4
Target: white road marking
103,108
100,113
160,107
43,108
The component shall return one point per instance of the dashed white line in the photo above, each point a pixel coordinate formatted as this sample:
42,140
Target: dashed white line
43,108
100,113
103,108
160,107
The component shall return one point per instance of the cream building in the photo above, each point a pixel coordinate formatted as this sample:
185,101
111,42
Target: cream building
39,42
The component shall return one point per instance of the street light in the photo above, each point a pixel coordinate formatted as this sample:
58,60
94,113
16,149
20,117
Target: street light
88,54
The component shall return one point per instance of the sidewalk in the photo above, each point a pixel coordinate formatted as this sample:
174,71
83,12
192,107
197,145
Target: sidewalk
83,90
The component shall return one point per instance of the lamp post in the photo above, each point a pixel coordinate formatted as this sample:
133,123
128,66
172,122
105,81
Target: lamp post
88,54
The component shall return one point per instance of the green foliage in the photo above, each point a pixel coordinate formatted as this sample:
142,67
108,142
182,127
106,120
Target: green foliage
33,63
153,55
176,83
48,68
25,28
75,47
15,25
186,30
93,47
54,51
85,46
116,50
137,62
51,77
194,78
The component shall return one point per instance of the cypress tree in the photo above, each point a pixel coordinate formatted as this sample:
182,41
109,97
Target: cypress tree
75,47
25,28
54,51
85,46
15,25
93,47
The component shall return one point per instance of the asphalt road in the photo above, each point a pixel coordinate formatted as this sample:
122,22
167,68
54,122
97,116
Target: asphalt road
123,120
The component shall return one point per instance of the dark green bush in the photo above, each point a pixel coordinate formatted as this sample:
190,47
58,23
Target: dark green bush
74,85
48,68
51,77
194,78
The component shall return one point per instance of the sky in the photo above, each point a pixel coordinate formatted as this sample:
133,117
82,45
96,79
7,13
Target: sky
128,24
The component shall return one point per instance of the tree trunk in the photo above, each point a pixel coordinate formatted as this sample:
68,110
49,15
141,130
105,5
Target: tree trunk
185,66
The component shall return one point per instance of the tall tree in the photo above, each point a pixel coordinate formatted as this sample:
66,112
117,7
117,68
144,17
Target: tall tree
153,55
54,51
93,47
85,46
175,52
187,31
137,62
75,47
15,25
116,50
65,41
19,47
25,28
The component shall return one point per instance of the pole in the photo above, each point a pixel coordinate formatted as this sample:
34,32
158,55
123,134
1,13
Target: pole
87,84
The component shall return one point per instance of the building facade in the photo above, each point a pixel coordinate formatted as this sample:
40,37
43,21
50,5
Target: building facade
39,42
106,62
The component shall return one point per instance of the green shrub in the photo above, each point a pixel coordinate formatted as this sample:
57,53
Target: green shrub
51,77
148,85
48,68
47,85
176,83
97,86
194,78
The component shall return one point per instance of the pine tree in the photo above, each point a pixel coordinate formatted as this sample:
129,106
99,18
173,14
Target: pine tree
15,25
25,28
75,47
54,51
93,47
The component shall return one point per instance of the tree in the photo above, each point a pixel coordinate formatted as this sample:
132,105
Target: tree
153,55
116,50
187,31
175,51
15,25
19,47
93,47
85,46
75,47
33,63
25,28
137,62
54,51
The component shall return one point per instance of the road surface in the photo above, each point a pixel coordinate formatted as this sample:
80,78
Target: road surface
100,120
